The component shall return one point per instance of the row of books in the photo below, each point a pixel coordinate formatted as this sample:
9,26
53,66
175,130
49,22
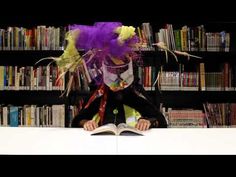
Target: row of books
214,81
223,80
220,114
216,115
36,38
74,111
145,34
53,38
179,81
189,81
193,39
80,82
31,78
32,116
147,76
184,118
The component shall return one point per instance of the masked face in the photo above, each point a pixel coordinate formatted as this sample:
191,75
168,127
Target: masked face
118,77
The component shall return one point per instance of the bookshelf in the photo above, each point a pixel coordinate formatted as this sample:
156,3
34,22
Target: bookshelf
20,89
219,75
173,98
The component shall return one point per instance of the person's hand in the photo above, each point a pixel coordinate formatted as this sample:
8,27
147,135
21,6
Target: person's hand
90,125
143,124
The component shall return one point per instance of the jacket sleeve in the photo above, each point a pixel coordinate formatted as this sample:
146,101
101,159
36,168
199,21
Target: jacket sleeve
150,112
147,109
86,114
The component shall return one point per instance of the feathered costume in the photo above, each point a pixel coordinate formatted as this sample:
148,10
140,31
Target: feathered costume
109,51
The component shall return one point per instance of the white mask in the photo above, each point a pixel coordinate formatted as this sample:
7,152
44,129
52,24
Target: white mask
118,77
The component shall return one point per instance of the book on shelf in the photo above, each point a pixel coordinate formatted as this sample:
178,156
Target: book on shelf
112,129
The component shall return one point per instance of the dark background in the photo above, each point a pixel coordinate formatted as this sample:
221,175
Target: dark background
126,11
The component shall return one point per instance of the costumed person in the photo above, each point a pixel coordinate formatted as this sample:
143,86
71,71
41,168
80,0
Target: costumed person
110,52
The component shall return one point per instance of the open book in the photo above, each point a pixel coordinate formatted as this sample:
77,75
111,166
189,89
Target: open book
112,129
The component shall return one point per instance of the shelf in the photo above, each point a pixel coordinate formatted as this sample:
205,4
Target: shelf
159,57
82,93
22,97
177,98
196,98
30,57
215,56
26,57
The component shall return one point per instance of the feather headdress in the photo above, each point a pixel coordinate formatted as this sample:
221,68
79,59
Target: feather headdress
102,41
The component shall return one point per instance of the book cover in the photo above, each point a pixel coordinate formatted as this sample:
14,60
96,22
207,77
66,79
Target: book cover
14,116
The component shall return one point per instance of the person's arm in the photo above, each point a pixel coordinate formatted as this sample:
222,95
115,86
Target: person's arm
149,112
86,114
147,109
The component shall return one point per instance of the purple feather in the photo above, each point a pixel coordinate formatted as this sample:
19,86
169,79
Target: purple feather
103,40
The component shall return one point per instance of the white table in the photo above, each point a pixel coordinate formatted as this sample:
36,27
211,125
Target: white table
77,141
25,140
181,141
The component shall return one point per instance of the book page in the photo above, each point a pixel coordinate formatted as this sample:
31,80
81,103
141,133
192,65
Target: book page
108,129
124,129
